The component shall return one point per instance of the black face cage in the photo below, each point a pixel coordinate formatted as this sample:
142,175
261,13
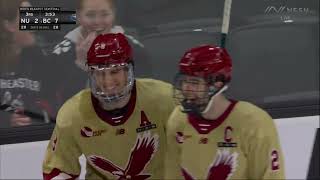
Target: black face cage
192,101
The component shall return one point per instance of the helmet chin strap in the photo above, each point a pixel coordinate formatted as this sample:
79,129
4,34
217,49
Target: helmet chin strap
224,88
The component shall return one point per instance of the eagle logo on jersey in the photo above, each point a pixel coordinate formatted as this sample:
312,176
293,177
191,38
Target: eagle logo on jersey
141,154
222,167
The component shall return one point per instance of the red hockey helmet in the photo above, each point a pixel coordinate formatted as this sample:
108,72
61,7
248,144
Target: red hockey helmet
109,49
110,67
199,69
206,61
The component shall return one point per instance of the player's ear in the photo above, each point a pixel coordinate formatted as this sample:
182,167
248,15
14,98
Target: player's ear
219,81
218,84
10,26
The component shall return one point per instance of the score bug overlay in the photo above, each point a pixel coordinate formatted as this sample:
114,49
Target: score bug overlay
44,18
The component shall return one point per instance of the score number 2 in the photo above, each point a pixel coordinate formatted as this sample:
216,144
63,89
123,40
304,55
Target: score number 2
274,160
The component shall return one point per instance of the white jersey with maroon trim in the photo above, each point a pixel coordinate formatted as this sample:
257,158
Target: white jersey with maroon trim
131,146
241,144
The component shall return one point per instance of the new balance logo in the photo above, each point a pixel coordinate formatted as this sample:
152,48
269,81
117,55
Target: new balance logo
120,131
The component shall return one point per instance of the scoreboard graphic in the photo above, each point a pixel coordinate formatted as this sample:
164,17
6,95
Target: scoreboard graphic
44,18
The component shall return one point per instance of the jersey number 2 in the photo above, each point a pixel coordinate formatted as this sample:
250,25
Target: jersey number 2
274,160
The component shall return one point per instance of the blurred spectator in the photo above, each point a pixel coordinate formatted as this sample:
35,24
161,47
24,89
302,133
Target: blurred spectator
95,17
22,68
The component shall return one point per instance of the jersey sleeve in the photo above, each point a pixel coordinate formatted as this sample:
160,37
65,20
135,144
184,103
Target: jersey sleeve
173,154
62,154
265,158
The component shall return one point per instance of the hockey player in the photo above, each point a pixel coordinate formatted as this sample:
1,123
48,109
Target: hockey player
69,55
118,124
211,136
